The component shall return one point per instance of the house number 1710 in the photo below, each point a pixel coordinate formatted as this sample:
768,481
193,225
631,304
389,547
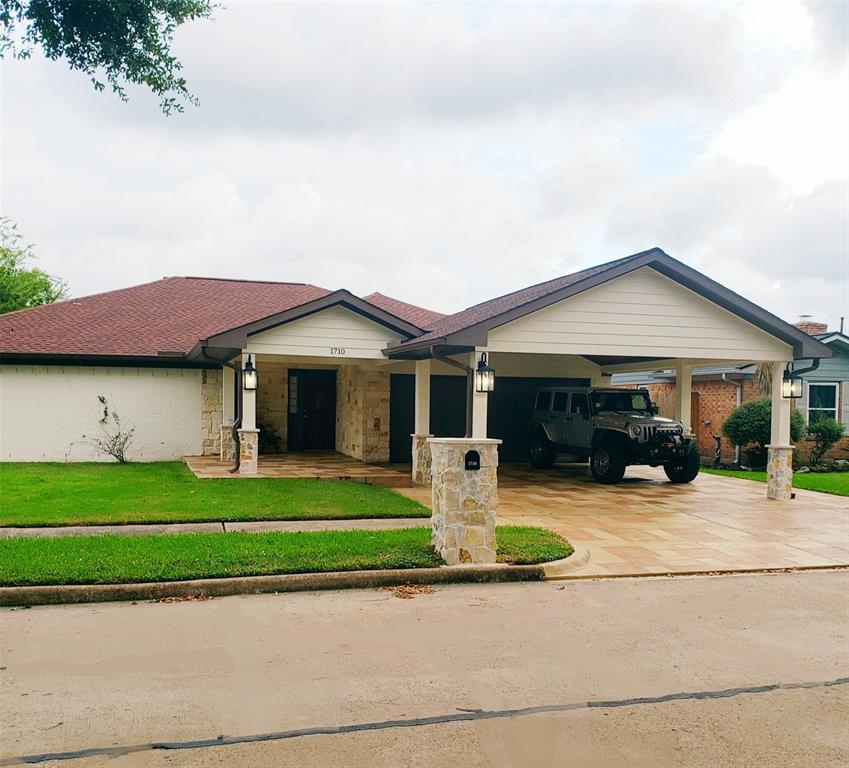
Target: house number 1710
337,350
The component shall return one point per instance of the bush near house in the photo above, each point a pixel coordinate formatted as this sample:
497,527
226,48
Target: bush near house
749,425
825,433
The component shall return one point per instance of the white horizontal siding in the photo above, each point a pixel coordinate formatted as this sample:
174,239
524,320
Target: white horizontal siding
642,313
318,335
45,411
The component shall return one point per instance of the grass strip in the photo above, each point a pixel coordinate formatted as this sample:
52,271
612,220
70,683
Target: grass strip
836,483
132,559
44,494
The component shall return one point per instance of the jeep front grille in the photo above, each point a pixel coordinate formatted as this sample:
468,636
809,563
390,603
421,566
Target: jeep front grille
650,431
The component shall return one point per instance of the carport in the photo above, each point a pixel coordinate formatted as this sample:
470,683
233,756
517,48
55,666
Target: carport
642,312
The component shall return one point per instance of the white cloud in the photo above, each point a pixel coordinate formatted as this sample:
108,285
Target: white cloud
399,147
801,132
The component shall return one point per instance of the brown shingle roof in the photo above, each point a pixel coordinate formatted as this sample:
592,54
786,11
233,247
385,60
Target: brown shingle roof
169,315
494,307
418,316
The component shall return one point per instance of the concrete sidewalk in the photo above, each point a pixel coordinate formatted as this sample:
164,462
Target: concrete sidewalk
259,526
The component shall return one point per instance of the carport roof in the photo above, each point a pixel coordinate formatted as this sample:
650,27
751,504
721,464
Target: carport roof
469,328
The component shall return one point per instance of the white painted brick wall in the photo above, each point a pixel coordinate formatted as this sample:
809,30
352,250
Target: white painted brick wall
44,409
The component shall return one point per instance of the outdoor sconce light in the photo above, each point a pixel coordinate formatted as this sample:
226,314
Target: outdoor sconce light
249,376
484,376
790,387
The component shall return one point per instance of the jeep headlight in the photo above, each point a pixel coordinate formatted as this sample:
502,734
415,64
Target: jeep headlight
636,430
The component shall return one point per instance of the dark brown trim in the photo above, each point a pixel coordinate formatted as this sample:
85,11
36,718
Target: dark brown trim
475,335
236,338
126,361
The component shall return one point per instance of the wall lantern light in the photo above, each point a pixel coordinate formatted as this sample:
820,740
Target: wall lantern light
484,376
249,376
790,387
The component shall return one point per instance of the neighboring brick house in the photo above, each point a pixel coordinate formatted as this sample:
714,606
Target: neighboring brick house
717,390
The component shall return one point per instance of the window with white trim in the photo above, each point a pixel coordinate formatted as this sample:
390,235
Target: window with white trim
822,402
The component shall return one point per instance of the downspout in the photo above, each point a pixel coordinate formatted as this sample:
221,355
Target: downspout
812,367
739,386
237,422
470,385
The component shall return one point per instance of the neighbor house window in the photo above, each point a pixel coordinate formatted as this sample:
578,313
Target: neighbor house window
822,402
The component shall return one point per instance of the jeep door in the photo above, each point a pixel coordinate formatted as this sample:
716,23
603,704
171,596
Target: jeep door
558,417
578,429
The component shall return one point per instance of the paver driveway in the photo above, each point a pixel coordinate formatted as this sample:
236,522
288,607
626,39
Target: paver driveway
647,525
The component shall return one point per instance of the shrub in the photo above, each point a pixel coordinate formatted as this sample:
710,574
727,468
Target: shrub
749,426
825,433
114,439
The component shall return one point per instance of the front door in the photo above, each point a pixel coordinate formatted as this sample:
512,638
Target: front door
312,410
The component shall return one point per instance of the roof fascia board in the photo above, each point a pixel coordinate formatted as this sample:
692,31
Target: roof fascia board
237,337
126,361
425,351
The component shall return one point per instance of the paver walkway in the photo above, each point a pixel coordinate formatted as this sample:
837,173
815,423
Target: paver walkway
321,465
648,525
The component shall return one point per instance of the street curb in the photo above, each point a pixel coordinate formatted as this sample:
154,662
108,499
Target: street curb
562,569
253,585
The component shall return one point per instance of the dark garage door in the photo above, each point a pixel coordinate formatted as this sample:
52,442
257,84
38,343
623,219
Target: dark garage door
511,405
508,417
447,411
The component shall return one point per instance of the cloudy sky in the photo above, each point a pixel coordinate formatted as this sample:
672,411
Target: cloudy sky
447,154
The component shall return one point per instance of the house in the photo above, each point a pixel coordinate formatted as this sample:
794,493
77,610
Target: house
718,389
370,377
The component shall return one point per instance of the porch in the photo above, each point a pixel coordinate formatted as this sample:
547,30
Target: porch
319,465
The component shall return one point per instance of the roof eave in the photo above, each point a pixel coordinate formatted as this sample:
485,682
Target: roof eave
130,361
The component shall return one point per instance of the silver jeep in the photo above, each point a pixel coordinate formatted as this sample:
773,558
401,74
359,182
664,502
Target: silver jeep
611,428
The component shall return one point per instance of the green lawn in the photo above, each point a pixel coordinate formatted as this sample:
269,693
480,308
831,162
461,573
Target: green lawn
96,494
125,559
825,482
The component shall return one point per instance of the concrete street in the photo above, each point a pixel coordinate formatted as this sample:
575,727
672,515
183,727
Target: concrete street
126,676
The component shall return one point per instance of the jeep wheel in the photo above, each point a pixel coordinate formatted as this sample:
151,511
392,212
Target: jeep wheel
685,470
608,462
541,452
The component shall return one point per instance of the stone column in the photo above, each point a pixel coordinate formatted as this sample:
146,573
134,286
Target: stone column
249,451
228,444
464,500
779,465
779,472
421,449
421,459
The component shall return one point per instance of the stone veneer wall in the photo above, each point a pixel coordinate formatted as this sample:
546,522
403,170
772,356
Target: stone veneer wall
211,411
362,413
272,399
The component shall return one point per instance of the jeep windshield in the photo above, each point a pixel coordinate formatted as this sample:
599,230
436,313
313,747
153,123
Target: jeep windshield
620,402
